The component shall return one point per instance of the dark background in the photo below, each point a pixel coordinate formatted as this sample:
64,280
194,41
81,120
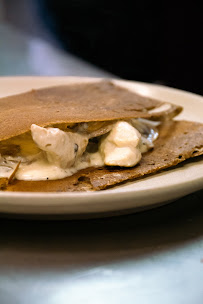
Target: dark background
138,40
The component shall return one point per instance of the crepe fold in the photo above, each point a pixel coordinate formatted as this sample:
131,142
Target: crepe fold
76,103
178,141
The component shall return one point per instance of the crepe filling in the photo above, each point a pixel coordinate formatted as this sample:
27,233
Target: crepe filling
58,151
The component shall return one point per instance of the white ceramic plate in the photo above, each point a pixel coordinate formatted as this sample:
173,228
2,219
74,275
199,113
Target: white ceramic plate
146,193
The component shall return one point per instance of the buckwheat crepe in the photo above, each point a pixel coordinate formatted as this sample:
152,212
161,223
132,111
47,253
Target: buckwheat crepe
97,104
101,101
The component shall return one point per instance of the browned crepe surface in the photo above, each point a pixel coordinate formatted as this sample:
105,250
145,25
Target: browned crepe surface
82,102
178,141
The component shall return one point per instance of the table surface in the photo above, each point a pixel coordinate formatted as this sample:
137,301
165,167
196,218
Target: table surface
154,256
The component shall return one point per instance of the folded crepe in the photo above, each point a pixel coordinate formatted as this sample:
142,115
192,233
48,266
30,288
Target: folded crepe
89,136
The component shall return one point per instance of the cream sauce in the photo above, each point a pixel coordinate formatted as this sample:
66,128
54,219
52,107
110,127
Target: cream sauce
63,153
